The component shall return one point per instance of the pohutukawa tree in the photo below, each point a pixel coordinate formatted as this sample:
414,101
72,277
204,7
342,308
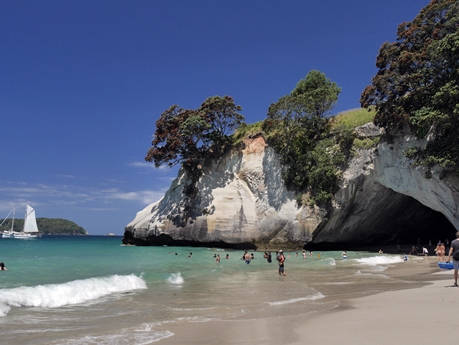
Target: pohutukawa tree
187,137
417,83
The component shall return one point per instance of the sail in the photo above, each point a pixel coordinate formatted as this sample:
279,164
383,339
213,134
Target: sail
30,223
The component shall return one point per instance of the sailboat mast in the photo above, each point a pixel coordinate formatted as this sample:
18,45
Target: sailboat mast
12,223
25,219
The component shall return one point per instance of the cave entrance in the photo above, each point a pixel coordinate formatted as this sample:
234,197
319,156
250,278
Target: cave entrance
391,219
410,222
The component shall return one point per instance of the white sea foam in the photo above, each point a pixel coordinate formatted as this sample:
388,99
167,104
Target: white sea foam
377,268
330,261
359,273
175,278
143,335
74,292
380,260
339,283
317,295
191,309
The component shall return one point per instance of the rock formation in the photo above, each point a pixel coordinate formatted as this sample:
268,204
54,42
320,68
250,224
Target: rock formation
242,203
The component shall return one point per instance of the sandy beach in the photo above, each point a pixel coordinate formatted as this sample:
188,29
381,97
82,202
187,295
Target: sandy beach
419,314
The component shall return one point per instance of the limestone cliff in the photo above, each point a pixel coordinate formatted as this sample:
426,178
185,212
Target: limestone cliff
384,198
241,202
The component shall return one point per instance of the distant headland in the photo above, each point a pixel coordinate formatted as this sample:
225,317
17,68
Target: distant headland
49,226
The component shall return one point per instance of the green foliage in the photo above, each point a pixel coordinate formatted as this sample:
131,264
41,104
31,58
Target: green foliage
299,200
48,226
298,130
352,118
324,173
247,130
317,94
187,137
298,119
365,143
417,83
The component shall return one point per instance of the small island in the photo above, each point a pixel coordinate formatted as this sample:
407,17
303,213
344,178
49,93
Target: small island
49,226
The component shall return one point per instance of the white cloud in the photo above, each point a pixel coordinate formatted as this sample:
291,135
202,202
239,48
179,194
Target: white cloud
146,197
143,165
64,194
149,166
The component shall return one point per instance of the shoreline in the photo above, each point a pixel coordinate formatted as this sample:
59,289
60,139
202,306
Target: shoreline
399,316
415,311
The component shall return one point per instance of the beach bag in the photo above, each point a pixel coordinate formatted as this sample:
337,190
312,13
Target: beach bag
456,255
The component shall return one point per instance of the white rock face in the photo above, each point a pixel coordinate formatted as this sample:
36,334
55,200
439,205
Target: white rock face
242,199
375,201
393,170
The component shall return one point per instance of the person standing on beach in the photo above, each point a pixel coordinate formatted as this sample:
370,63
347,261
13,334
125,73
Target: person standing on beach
281,263
442,252
454,248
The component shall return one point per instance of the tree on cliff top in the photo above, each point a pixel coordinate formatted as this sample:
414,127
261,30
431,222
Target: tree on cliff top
187,137
317,93
297,123
302,112
417,83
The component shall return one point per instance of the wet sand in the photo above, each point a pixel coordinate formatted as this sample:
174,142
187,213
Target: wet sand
418,309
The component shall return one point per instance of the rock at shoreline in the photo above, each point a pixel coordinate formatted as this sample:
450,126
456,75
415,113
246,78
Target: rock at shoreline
242,203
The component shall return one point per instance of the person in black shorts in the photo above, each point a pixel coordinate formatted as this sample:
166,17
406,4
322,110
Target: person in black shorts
454,248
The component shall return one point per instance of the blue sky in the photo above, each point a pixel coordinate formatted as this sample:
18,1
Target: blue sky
82,84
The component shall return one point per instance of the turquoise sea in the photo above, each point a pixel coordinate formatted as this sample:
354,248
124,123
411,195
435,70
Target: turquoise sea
93,290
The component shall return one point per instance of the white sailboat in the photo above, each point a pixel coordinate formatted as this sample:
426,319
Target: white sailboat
9,233
30,226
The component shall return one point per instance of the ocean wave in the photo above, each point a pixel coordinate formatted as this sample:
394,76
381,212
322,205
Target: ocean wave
359,273
143,335
191,309
330,261
175,278
317,295
74,292
380,260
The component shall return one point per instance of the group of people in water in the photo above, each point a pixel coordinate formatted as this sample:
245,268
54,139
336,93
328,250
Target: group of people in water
280,258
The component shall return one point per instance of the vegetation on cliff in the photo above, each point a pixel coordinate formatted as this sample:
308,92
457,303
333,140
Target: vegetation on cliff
48,226
187,137
313,147
297,127
417,83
